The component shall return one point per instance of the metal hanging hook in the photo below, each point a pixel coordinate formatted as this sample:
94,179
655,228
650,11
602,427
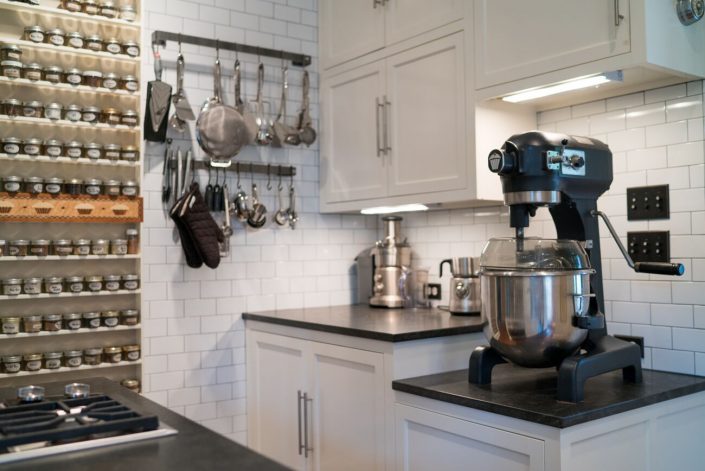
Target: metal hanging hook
217,49
279,185
238,176
291,180
269,177
179,43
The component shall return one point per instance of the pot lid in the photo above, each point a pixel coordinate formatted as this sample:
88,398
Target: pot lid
533,254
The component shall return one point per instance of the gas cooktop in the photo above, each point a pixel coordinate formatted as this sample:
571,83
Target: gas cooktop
57,425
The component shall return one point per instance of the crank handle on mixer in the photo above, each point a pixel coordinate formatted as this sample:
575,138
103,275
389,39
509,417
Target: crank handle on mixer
656,268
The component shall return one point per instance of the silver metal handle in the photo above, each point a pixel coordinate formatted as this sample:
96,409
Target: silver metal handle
306,447
378,106
594,213
387,145
618,17
298,404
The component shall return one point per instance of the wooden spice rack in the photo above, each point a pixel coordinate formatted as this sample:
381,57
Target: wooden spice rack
24,207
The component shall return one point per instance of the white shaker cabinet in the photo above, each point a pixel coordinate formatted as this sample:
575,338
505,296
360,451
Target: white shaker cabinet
515,39
353,28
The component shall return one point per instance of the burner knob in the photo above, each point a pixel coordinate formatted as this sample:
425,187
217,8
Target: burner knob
500,162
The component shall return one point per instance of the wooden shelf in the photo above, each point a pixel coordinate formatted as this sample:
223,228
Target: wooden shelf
121,292
59,13
67,160
34,258
24,207
43,333
66,369
67,124
24,44
68,87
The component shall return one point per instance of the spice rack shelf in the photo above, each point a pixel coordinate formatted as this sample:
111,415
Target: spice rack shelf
66,369
68,124
34,258
82,208
67,160
82,330
23,43
67,87
121,292
67,15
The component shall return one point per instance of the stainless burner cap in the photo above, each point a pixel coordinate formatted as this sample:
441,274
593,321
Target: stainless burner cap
77,390
30,394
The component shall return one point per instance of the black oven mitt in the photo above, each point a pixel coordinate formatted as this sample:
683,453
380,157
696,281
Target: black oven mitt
201,227
193,259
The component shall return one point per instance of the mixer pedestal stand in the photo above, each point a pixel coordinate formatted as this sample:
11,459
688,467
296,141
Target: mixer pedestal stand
607,354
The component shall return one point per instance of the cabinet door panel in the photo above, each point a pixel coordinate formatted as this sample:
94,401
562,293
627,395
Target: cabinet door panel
348,408
276,371
515,39
351,168
426,90
349,29
407,18
429,440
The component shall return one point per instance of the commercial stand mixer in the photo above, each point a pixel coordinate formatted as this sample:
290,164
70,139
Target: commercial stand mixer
542,300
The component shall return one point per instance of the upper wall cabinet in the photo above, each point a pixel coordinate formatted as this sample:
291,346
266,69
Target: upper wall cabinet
515,39
353,28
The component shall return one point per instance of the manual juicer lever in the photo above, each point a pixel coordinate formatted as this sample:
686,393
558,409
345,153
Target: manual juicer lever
657,268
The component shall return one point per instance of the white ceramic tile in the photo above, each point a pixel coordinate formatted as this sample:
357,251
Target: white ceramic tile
690,153
689,292
644,159
666,134
676,177
673,360
607,122
636,313
654,336
552,116
672,314
627,140
625,101
586,109
689,339
646,115
665,93
684,108
651,291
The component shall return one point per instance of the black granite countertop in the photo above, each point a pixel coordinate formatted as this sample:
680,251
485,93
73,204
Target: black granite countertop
529,394
361,320
194,448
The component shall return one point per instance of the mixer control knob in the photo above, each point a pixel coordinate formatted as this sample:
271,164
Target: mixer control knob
576,161
461,291
500,162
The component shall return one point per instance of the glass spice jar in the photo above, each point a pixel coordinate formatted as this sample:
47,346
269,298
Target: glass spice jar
53,185
129,83
91,320
112,282
94,283
110,81
72,113
90,114
39,248
73,186
110,318
18,248
128,13
92,356
81,247
108,9
61,247
12,184
111,152
32,146
112,187
34,185
73,358
94,43
74,284
113,46
11,69
32,71
130,154
92,78
52,74
32,109
75,39
52,322
90,7
131,48
72,320
73,76
52,360
118,246
99,247
129,118
55,36
32,361
54,284
12,287
11,107
3,248
93,150
129,188
10,52
11,145
131,352
53,148
129,317
11,325
32,285
131,384
73,6
110,116
11,364
130,282
73,149
32,323
112,354
133,241
53,111
93,187
34,33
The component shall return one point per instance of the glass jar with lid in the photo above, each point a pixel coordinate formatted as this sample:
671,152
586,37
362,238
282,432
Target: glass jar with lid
94,42
10,52
34,33
118,246
91,319
11,107
72,320
73,76
131,352
32,109
10,325
75,39
53,148
32,361
129,118
74,284
133,241
112,354
113,46
52,73
100,247
11,364
73,358
129,188
128,13
130,282
53,185
52,322
108,9
94,283
55,36
12,286
39,248
93,151
12,184
73,186
72,113
111,151
130,153
34,185
92,78
32,323
81,247
93,187
93,356
11,145
110,81
53,111
3,247
90,114
18,248
110,318
74,6
11,69
110,116
32,146
131,48
129,317
53,284
112,282
32,71
90,7
62,247
52,360
112,187
32,285
131,384
129,83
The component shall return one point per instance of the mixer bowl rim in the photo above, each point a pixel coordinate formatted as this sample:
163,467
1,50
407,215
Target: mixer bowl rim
497,272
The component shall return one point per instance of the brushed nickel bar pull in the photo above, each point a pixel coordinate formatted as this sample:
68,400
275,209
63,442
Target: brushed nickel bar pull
306,447
377,111
618,17
298,402
387,145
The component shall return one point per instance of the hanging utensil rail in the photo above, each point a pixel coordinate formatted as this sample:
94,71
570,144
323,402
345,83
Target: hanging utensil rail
160,38
247,167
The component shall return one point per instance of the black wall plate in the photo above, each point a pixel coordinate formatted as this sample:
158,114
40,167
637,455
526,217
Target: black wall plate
648,202
650,246
433,290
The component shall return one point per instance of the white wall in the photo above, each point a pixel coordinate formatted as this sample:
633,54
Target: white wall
192,328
